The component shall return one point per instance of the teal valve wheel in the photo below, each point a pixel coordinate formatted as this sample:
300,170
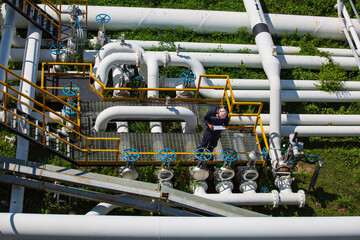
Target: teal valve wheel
188,76
167,155
131,154
103,18
68,110
70,90
203,154
57,49
265,189
265,154
229,155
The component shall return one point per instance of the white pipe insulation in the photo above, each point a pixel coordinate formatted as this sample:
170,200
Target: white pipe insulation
316,131
58,227
146,113
234,48
101,209
273,198
302,119
232,60
7,33
203,21
272,68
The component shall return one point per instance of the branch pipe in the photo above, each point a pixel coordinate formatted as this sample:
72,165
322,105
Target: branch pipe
146,113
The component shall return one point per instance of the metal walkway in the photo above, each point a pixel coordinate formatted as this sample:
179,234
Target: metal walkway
29,10
131,193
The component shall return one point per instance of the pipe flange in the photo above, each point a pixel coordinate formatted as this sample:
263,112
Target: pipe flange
276,198
138,58
302,198
166,58
8,26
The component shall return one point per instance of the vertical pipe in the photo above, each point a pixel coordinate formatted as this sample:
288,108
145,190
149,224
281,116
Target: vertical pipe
271,65
7,34
29,71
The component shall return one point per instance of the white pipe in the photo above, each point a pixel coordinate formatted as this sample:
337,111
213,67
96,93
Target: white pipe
101,209
30,65
302,119
7,33
220,59
235,48
317,131
205,21
272,68
146,113
16,226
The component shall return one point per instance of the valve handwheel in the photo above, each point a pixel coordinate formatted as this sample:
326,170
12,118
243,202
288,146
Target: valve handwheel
70,90
57,49
131,154
203,154
264,154
103,18
265,189
229,154
167,155
69,110
188,76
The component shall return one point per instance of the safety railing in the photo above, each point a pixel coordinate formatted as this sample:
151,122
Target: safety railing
77,142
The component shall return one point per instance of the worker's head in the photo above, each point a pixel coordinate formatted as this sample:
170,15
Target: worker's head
222,113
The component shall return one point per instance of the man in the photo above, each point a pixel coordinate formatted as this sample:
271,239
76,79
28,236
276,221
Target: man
214,117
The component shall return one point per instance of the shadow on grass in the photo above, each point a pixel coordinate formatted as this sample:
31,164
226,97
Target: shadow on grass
323,197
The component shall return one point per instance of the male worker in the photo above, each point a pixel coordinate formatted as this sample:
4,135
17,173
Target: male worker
214,119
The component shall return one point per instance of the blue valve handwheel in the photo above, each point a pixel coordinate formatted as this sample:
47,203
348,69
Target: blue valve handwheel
265,189
167,155
264,154
131,154
229,154
138,78
68,110
103,18
188,76
202,154
57,49
70,90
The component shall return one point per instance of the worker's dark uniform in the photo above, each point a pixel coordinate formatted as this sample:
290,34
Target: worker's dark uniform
211,137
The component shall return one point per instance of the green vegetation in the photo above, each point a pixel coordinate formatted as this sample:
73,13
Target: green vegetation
336,192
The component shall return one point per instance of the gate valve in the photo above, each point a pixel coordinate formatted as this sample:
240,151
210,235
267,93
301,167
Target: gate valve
199,172
129,171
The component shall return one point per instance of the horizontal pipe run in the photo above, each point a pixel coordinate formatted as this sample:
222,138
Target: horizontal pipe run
202,21
18,226
219,59
316,131
302,119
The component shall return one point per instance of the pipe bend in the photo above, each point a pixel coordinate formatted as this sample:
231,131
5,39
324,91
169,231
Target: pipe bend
146,113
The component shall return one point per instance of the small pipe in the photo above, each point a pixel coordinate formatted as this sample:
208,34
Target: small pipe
101,209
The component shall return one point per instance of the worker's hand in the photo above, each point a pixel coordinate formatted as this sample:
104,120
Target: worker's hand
211,127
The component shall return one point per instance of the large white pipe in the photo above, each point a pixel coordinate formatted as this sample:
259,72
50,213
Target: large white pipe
148,113
29,71
272,67
220,59
19,226
7,33
302,119
205,21
317,131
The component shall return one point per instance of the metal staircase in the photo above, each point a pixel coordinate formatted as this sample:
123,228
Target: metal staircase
33,13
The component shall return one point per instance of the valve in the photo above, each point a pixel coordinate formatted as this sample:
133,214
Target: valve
294,148
179,49
69,110
188,76
129,171
57,49
253,156
229,155
102,19
70,90
199,172
165,173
